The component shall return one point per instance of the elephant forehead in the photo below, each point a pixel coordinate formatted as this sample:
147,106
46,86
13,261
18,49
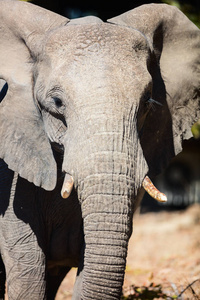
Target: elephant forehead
99,57
94,40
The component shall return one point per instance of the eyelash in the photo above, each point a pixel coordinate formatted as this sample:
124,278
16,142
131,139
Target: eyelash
151,103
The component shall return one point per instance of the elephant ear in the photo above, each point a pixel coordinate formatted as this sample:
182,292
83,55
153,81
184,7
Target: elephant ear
175,44
24,145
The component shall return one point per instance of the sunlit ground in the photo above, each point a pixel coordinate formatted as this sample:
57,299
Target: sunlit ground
163,258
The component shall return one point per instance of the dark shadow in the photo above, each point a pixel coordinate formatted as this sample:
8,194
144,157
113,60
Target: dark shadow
2,279
180,181
3,89
6,178
45,211
103,9
155,130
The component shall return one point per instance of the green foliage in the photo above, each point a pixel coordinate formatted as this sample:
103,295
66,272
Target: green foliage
196,130
188,9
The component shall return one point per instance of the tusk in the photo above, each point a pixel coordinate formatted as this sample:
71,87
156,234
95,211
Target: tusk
67,186
153,191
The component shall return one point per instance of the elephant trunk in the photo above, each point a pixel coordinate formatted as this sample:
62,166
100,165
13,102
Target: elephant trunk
107,201
107,229
107,177
108,168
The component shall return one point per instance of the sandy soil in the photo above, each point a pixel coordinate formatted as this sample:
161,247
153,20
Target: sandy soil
164,250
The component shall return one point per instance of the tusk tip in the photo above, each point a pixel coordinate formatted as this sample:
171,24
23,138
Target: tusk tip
67,186
65,194
163,198
153,191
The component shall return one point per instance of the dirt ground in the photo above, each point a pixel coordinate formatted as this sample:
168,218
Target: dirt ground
164,250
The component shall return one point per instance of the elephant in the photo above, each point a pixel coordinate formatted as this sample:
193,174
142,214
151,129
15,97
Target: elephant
90,111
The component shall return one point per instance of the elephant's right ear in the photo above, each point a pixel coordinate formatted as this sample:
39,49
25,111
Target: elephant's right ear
24,145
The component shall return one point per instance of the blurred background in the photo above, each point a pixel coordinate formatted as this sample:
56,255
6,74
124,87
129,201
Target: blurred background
181,180
107,9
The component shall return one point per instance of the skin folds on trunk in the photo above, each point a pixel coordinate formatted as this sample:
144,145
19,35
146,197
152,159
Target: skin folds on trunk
107,212
107,232
108,180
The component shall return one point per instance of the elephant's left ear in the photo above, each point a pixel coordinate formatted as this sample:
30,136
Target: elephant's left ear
175,43
24,145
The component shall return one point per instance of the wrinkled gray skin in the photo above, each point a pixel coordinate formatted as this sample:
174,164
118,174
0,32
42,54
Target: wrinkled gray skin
79,101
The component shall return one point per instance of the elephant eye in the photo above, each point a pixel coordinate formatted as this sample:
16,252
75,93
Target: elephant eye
58,102
54,99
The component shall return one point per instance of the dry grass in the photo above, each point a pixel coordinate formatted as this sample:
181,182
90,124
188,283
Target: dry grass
163,258
153,291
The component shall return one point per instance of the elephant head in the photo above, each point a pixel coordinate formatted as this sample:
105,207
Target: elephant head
116,99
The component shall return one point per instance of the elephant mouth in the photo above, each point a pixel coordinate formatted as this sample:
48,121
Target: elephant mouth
147,185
